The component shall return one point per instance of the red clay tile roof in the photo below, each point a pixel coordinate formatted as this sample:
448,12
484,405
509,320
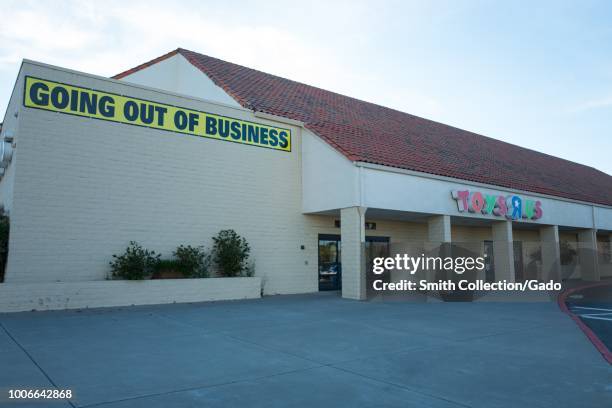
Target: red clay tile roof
366,132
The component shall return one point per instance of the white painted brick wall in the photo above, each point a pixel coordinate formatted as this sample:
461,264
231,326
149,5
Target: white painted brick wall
84,188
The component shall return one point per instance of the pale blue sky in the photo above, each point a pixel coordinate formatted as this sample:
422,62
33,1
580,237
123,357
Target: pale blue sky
534,74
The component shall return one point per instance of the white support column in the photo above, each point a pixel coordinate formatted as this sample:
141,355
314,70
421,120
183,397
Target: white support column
503,251
352,230
551,253
439,239
605,258
439,227
587,255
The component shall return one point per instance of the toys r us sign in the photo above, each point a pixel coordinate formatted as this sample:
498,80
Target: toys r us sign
512,207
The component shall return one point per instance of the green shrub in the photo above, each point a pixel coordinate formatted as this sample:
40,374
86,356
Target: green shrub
250,270
193,262
165,265
231,253
135,263
4,240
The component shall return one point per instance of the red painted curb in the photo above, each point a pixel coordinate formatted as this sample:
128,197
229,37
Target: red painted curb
599,345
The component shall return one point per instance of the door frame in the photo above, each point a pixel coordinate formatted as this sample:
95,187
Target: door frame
329,237
338,239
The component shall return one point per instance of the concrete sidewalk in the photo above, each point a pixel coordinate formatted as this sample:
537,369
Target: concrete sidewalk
310,350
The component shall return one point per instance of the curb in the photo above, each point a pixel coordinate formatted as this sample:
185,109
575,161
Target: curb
599,345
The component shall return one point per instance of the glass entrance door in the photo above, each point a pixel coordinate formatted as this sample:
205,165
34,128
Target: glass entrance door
330,274
330,264
376,247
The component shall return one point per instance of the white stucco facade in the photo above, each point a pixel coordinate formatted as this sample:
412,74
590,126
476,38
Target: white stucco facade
84,188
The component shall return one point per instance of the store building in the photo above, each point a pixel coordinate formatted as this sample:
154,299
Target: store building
174,150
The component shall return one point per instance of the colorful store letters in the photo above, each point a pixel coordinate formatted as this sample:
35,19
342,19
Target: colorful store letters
513,207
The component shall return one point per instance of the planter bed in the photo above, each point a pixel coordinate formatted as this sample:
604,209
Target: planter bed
17,297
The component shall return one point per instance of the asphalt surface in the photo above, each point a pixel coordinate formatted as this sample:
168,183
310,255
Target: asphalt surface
594,306
303,351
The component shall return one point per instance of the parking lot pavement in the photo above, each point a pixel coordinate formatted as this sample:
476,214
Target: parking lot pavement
306,350
593,305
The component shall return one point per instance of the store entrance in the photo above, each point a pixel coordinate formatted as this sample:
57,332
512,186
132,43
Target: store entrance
330,268
519,267
330,265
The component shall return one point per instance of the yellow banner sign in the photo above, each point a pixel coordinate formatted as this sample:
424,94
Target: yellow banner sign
74,100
